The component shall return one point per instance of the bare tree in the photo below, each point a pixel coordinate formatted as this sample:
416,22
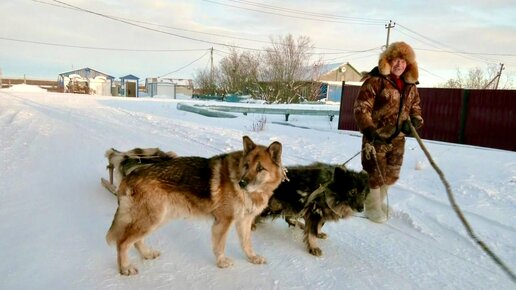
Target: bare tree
284,69
313,89
238,72
204,83
283,74
477,79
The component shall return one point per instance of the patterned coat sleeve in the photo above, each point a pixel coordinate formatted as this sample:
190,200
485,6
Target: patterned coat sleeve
415,109
364,103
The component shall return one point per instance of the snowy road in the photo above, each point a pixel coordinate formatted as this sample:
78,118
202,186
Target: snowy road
54,213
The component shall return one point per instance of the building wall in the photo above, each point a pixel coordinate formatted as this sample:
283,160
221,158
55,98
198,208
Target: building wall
350,75
474,117
187,91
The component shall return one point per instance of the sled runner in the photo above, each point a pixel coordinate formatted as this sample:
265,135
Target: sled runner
108,184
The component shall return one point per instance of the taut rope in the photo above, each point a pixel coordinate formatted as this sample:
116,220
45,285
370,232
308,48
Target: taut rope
455,207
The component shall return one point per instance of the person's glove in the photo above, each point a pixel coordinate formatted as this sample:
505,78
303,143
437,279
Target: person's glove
417,122
405,126
373,136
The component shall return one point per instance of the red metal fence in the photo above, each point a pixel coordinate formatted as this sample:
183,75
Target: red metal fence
474,117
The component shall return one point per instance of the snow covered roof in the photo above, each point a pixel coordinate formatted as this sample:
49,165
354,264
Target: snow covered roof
129,77
85,72
178,82
310,73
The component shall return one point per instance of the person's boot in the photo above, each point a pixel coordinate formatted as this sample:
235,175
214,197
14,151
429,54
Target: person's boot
384,190
373,206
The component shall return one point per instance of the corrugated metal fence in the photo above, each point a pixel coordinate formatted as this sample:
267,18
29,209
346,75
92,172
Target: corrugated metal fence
475,117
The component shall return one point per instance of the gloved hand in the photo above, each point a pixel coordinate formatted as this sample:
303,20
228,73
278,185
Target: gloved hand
417,122
373,136
405,126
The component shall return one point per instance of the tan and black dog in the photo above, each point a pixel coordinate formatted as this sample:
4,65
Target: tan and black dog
232,188
318,193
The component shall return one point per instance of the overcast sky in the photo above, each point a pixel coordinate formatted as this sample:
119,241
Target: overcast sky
150,38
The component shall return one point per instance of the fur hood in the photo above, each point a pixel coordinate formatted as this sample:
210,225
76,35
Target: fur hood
401,50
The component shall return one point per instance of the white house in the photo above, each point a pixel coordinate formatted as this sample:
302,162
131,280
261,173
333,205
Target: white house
169,88
86,81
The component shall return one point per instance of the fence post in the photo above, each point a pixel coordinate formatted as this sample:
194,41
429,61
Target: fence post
464,107
342,91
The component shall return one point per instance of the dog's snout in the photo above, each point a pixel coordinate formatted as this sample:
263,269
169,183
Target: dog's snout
242,183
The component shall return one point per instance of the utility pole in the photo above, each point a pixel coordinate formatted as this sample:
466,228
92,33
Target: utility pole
211,67
388,27
497,78
499,75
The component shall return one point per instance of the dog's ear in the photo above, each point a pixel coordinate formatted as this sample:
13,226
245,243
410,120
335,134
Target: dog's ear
248,144
275,151
339,173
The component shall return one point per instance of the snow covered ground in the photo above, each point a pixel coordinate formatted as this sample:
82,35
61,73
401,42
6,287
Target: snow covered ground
54,213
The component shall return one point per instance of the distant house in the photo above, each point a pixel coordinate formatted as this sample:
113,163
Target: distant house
330,78
339,72
129,86
184,87
85,81
171,88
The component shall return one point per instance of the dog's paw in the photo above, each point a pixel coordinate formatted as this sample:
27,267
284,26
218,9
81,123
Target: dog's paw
257,260
315,251
224,262
151,255
323,236
129,270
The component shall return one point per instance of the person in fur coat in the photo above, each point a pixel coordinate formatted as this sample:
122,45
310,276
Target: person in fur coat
388,100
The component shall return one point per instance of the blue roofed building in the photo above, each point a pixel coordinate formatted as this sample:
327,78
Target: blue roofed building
129,86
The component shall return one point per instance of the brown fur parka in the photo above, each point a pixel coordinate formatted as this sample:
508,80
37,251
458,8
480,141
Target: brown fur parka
381,106
378,102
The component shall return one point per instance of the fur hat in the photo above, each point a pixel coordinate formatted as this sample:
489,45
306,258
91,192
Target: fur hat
399,50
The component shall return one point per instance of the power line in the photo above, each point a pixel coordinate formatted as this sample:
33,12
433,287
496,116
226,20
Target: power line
429,72
152,29
325,15
98,48
339,51
185,65
159,25
182,29
350,56
292,13
437,44
466,52
352,21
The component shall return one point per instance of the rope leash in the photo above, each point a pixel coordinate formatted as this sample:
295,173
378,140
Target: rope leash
370,152
457,210
344,164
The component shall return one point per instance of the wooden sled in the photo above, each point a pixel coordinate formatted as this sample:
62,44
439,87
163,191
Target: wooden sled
109,184
141,159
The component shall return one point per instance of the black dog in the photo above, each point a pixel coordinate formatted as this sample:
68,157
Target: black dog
318,193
